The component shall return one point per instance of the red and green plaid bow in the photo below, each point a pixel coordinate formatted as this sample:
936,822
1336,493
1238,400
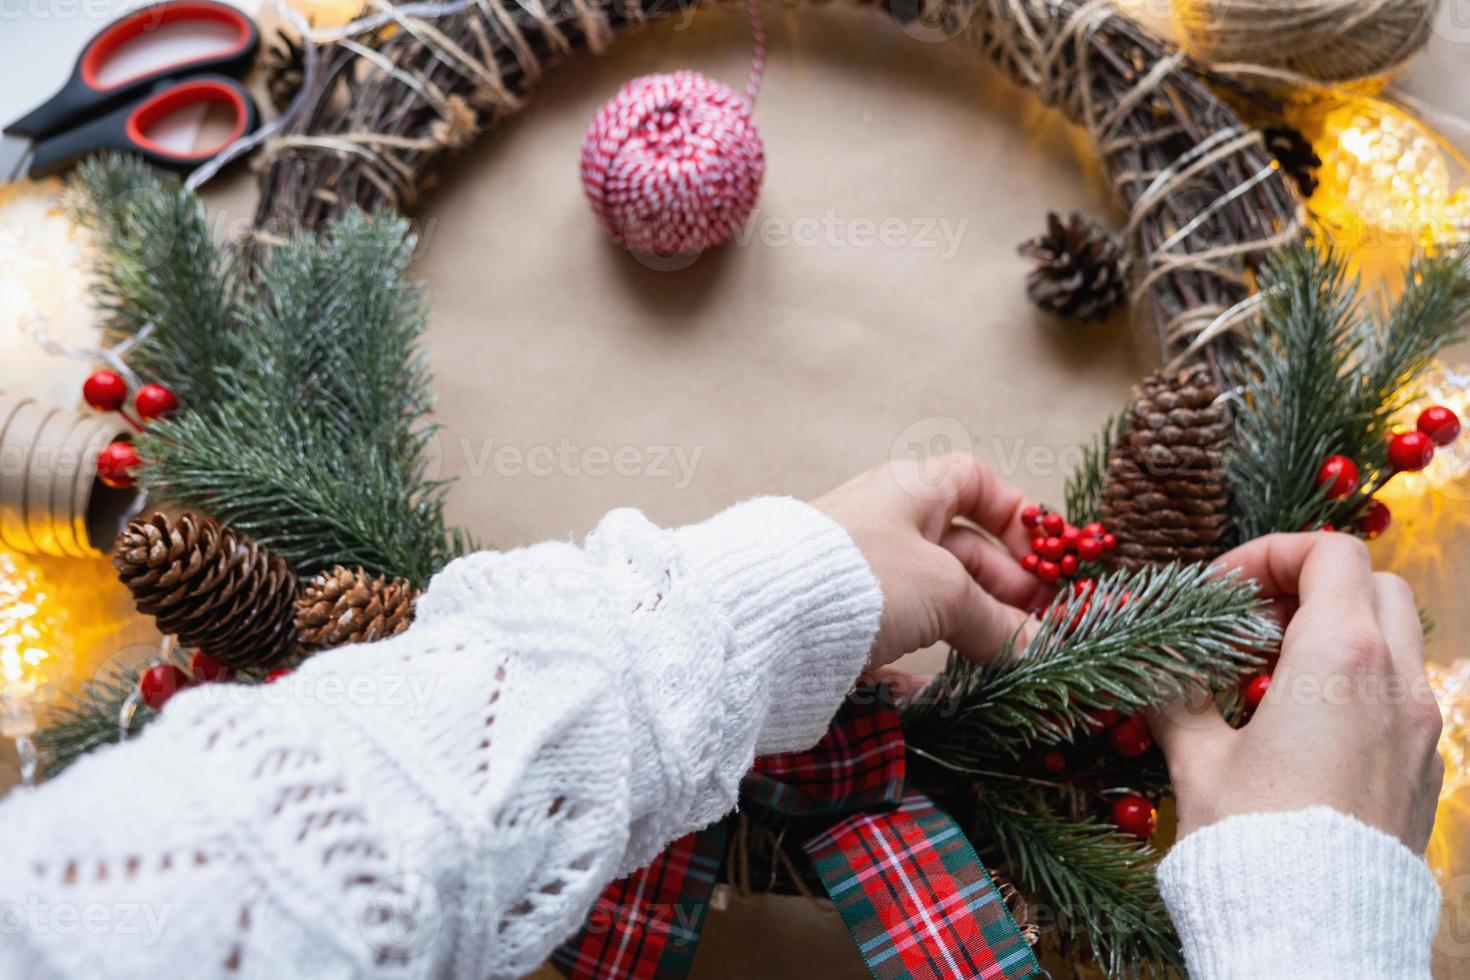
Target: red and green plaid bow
910,888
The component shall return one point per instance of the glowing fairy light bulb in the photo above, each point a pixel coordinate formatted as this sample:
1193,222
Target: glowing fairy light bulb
1386,178
28,618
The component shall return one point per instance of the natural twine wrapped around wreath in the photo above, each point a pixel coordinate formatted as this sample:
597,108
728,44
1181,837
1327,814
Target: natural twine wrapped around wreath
1203,196
1327,40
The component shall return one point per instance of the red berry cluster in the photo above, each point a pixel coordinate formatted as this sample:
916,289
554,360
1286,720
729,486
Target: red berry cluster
1408,452
107,391
162,681
1128,737
1058,549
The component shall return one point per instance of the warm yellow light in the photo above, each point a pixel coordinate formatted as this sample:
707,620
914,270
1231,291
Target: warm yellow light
1387,180
1452,690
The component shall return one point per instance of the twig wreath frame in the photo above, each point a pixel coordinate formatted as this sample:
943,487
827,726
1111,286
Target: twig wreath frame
1204,198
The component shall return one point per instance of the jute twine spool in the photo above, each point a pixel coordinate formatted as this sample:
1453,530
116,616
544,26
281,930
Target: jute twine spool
51,502
1328,40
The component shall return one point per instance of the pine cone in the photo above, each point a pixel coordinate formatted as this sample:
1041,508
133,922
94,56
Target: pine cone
1166,497
341,607
1296,156
211,586
285,70
1081,269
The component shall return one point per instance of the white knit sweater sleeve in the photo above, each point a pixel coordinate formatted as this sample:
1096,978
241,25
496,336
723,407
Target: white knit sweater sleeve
1306,893
450,802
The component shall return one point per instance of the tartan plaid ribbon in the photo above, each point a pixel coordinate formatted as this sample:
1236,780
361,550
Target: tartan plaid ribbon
910,888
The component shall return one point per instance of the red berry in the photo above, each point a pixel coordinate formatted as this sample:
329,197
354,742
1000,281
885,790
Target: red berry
159,683
1410,451
116,463
1054,762
155,401
1375,519
1440,424
1053,524
1048,571
1038,542
105,391
1052,548
206,668
1339,475
1103,718
1134,815
1084,586
1070,565
277,674
1031,516
1131,738
1089,549
1071,536
1254,689
1029,562
1094,530
1110,543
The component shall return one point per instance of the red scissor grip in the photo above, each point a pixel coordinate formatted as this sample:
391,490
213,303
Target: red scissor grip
105,44
180,96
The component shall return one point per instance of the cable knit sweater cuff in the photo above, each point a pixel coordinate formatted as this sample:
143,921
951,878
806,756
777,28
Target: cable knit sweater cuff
801,600
1306,893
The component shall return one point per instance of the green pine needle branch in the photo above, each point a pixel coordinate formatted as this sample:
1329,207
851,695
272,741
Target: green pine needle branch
1323,374
1181,627
1093,882
304,388
1086,483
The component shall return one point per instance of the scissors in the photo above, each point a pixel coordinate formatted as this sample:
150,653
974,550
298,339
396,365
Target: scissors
87,115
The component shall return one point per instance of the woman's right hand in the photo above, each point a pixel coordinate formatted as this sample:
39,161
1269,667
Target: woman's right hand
1349,720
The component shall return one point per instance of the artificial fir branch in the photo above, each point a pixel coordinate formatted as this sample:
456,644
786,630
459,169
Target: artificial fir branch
1322,376
1139,640
1086,483
92,717
1096,882
158,270
319,449
304,388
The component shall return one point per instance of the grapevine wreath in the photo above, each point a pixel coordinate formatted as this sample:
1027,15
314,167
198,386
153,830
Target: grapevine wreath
288,406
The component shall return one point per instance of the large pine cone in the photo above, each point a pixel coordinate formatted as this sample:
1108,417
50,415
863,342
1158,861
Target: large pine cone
1166,495
211,586
1081,269
342,606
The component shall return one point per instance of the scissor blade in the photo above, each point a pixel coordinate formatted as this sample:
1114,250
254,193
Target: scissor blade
15,156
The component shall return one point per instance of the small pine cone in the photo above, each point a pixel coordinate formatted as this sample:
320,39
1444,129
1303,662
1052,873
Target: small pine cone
1166,497
212,587
1081,269
284,62
341,607
1295,154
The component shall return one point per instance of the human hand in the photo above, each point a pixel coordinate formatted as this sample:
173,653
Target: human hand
1349,720
941,580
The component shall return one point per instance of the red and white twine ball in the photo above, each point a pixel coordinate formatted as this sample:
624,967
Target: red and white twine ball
673,163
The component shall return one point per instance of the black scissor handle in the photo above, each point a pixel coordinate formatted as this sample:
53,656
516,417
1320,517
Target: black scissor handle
126,127
83,96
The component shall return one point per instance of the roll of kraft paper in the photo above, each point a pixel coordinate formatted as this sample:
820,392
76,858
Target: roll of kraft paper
51,502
